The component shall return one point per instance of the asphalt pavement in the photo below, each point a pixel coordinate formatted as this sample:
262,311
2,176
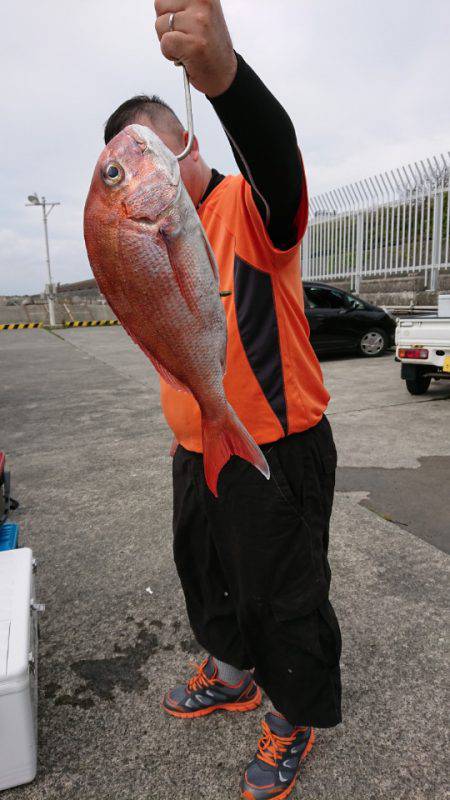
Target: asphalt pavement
88,450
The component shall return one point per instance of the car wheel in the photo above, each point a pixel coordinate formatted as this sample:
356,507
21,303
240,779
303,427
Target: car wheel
373,343
418,385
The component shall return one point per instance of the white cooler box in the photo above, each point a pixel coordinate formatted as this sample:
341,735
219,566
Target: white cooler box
18,668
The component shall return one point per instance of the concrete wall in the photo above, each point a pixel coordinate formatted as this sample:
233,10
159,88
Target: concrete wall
38,312
398,291
86,303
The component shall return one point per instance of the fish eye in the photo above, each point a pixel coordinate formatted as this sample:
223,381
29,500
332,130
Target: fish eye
113,173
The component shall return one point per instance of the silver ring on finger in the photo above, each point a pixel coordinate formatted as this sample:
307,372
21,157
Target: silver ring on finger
171,23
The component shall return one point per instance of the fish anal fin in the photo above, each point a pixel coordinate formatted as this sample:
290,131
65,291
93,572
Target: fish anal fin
165,374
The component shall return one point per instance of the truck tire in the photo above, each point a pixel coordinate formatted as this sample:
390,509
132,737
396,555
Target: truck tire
418,385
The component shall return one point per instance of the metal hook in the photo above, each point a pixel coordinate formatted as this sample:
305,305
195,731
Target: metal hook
190,118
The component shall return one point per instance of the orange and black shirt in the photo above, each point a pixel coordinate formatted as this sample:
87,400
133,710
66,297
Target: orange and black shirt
255,222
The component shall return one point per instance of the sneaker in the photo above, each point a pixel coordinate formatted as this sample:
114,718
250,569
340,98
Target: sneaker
272,774
205,693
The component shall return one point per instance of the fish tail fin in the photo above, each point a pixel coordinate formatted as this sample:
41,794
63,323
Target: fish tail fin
223,439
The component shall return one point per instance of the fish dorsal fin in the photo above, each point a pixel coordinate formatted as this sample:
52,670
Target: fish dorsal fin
215,271
211,256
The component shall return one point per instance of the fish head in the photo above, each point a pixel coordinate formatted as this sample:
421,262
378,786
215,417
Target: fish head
136,178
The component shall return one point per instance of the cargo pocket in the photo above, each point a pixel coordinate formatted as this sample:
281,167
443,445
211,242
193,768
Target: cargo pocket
299,670
302,630
281,483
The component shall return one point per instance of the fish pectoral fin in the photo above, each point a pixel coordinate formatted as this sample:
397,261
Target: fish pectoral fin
180,269
165,374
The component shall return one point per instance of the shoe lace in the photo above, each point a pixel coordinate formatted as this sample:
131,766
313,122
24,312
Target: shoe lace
272,747
200,680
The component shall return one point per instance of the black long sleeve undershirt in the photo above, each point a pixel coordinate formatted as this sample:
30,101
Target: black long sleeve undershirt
265,147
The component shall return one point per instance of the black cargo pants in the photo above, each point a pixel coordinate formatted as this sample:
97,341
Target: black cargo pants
255,574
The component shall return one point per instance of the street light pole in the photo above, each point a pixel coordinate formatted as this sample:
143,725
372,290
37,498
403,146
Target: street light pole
49,289
50,292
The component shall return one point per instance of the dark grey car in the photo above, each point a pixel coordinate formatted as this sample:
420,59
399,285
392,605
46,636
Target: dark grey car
341,322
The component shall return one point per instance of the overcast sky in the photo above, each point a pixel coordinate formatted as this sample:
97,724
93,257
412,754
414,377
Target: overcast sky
366,84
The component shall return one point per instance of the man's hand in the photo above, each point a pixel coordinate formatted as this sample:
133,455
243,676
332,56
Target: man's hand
200,40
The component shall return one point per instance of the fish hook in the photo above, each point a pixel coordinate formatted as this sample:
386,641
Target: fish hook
190,118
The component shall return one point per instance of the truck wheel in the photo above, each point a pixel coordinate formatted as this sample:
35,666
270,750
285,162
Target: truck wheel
373,343
418,385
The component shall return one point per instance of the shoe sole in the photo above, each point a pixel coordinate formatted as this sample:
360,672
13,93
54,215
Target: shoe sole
247,795
250,705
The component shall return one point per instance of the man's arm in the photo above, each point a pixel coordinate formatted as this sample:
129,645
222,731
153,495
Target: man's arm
264,144
260,131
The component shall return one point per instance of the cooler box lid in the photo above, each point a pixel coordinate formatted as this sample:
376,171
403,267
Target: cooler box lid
15,598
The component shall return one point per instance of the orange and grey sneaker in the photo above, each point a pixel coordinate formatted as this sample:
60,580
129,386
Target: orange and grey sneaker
272,773
205,693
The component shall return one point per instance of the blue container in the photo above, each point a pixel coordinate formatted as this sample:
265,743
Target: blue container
9,535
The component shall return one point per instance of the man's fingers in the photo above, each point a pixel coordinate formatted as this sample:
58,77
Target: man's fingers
169,6
175,46
162,24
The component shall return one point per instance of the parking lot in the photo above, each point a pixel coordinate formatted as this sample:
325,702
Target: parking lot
88,450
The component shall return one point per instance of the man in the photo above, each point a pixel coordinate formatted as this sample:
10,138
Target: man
252,563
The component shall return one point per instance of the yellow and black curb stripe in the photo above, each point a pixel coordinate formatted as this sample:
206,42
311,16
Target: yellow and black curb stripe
78,323
20,326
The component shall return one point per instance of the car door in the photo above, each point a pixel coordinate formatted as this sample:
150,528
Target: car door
330,319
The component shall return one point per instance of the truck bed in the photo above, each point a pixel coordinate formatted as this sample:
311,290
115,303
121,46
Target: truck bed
424,331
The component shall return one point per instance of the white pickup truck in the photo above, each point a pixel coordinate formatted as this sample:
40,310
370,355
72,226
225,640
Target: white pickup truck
423,347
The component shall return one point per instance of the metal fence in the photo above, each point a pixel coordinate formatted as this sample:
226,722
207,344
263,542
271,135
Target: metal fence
391,224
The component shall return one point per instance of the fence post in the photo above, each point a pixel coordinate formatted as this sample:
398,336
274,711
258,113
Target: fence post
436,251
304,255
359,250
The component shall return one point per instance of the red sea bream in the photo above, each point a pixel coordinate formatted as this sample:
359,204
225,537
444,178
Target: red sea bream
155,266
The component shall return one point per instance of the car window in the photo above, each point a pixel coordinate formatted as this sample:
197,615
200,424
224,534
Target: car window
353,302
322,297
